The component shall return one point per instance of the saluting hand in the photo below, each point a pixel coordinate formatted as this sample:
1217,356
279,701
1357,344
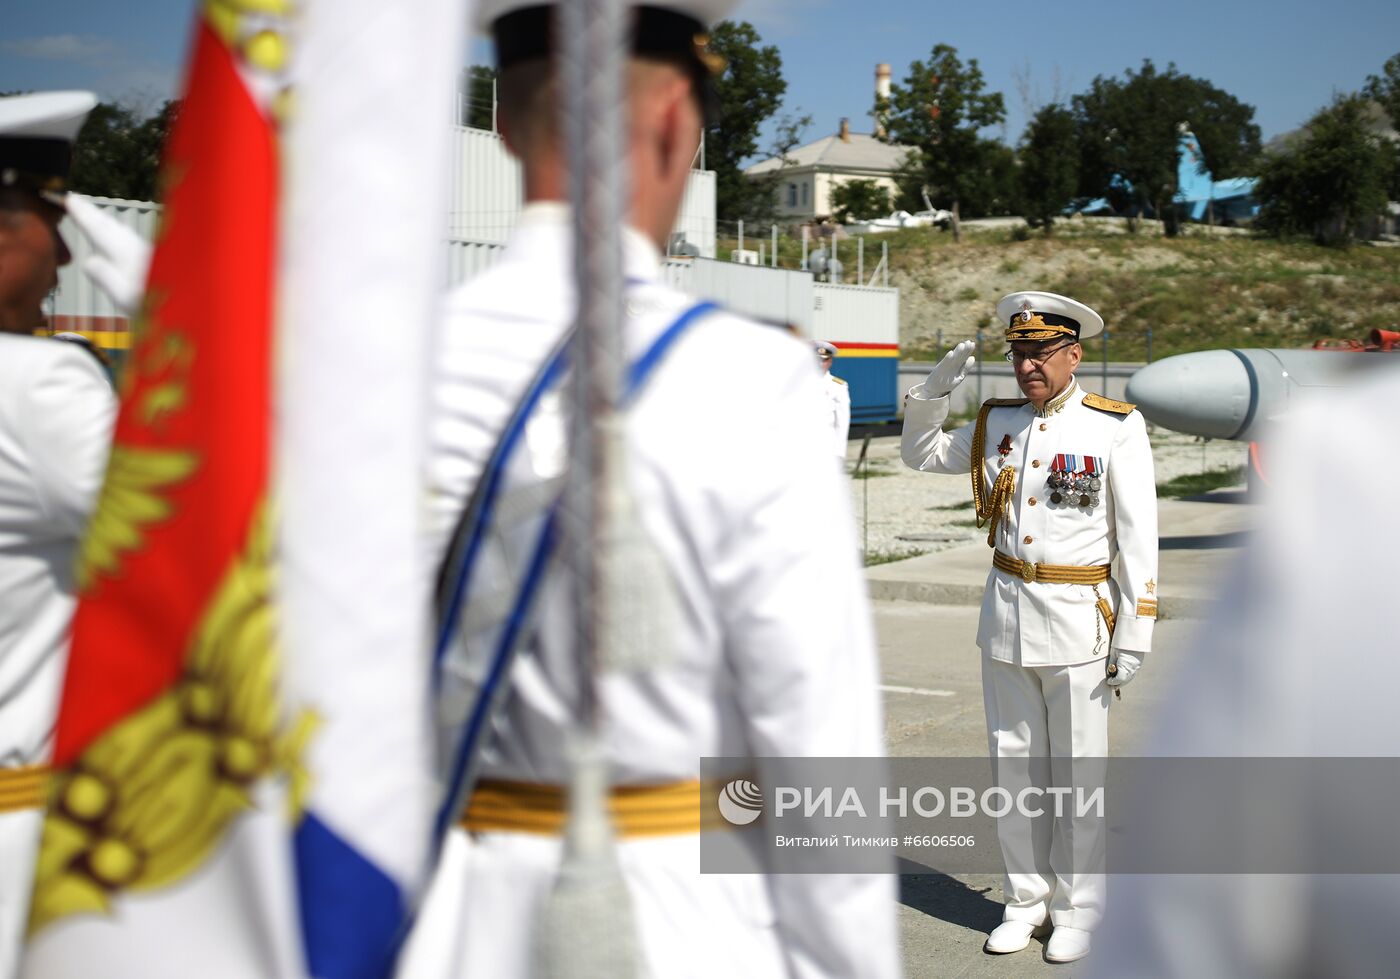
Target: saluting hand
951,370
120,255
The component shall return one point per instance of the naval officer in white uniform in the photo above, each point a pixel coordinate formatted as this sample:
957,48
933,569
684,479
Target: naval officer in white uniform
751,671
838,394
56,413
1064,480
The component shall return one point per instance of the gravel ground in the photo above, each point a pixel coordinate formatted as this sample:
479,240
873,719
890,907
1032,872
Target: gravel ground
907,513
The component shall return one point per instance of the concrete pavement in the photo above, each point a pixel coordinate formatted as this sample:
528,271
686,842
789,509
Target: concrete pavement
926,612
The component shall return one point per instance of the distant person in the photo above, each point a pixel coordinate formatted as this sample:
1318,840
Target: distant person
839,395
748,531
1065,480
56,414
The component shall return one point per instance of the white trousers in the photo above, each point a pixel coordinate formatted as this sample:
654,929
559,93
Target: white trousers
483,908
19,846
1039,720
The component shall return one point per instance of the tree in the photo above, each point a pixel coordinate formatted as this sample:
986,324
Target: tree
857,200
940,111
1333,180
1130,137
478,91
118,155
1385,89
1049,171
992,191
750,91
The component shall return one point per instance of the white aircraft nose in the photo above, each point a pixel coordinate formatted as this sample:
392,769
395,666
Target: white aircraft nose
1211,393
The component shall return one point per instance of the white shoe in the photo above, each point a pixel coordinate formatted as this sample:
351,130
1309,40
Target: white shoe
1010,936
1067,944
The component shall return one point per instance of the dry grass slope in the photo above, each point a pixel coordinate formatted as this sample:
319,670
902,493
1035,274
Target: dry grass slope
1203,290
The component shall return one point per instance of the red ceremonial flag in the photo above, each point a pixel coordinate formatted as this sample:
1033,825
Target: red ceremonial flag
168,713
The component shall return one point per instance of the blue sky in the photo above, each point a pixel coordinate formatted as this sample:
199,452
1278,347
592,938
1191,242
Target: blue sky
1285,57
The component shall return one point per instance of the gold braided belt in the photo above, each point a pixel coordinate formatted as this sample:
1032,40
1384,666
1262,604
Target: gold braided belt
1054,574
23,788
670,809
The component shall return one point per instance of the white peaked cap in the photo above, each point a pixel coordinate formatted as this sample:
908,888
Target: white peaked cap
1058,315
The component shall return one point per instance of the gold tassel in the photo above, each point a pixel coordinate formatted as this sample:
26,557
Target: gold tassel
989,509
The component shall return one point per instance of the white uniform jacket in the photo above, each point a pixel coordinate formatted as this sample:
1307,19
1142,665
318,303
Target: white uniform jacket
1038,623
840,395
773,656
56,413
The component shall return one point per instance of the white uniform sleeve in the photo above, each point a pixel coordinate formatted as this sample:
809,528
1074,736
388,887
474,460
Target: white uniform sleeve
68,429
802,647
1134,490
843,420
924,445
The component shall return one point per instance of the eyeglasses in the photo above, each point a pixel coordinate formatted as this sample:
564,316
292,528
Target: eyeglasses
1017,357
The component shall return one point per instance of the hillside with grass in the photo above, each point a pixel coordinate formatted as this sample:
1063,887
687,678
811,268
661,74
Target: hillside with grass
1207,288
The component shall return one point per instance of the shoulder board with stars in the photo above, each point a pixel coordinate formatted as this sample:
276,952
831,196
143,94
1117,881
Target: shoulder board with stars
838,380
1108,404
1006,402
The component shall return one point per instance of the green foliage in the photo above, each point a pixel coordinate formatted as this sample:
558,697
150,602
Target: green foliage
889,557
857,200
1130,129
1049,166
118,154
994,189
750,91
1194,484
480,85
940,111
1385,89
1333,180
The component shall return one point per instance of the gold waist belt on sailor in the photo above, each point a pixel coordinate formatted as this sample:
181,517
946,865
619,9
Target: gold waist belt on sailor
671,809
1054,574
23,788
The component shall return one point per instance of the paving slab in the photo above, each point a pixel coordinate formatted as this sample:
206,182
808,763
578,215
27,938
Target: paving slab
1197,537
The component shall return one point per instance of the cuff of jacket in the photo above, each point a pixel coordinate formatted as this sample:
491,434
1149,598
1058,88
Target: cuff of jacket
1133,633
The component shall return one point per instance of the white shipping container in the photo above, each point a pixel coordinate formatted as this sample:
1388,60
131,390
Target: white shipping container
781,296
77,303
855,314
487,194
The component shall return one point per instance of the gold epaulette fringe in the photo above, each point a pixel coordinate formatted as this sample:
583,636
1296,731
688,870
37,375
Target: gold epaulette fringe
989,510
1108,404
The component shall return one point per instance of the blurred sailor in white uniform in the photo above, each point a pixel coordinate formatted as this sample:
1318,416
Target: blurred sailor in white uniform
56,414
1296,663
1064,480
751,671
838,393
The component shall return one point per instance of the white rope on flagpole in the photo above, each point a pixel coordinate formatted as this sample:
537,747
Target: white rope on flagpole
587,928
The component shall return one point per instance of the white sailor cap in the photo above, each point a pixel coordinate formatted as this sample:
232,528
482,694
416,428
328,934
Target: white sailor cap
826,347
524,29
1046,316
36,138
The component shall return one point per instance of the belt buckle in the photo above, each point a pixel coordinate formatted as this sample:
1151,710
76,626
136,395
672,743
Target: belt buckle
1028,572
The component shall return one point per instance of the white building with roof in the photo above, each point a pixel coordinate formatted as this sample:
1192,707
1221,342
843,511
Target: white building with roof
810,173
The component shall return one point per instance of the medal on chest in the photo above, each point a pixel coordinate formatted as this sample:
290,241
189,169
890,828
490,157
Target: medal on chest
1075,480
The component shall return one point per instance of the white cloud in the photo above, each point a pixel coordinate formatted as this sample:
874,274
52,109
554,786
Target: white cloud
81,48
777,15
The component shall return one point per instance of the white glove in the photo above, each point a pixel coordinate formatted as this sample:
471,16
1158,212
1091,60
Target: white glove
950,370
1128,664
120,255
